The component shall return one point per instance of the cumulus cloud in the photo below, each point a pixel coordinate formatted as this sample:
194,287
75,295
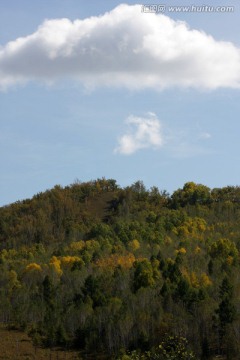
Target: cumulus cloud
142,132
124,47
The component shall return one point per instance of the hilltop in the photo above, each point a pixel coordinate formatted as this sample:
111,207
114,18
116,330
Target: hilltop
96,267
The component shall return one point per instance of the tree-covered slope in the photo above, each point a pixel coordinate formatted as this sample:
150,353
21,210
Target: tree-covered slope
109,269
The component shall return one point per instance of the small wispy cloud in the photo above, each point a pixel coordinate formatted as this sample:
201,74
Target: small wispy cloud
142,133
183,142
205,136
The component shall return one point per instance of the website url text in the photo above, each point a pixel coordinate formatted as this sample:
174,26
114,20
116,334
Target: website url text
162,8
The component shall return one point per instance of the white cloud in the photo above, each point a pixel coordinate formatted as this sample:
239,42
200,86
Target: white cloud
187,142
143,132
205,136
124,47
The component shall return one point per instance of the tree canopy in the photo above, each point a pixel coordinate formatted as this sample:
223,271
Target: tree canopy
128,272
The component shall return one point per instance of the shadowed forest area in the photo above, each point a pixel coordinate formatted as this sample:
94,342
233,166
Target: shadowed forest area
125,273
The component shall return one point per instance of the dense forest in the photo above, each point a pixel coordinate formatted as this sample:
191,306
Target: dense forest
131,273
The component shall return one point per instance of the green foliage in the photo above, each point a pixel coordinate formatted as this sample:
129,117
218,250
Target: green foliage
143,275
226,310
191,194
223,248
113,269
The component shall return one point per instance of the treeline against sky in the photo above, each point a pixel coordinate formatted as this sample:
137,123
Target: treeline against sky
119,271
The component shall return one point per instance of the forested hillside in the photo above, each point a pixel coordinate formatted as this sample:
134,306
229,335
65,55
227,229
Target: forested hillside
120,271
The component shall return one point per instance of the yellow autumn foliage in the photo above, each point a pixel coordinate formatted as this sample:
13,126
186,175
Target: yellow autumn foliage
92,245
230,260
185,274
194,280
204,280
182,230
191,227
55,264
134,245
77,245
182,251
114,260
69,260
197,250
168,240
33,267
13,281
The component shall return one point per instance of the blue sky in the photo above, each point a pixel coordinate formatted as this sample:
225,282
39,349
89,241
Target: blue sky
125,95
